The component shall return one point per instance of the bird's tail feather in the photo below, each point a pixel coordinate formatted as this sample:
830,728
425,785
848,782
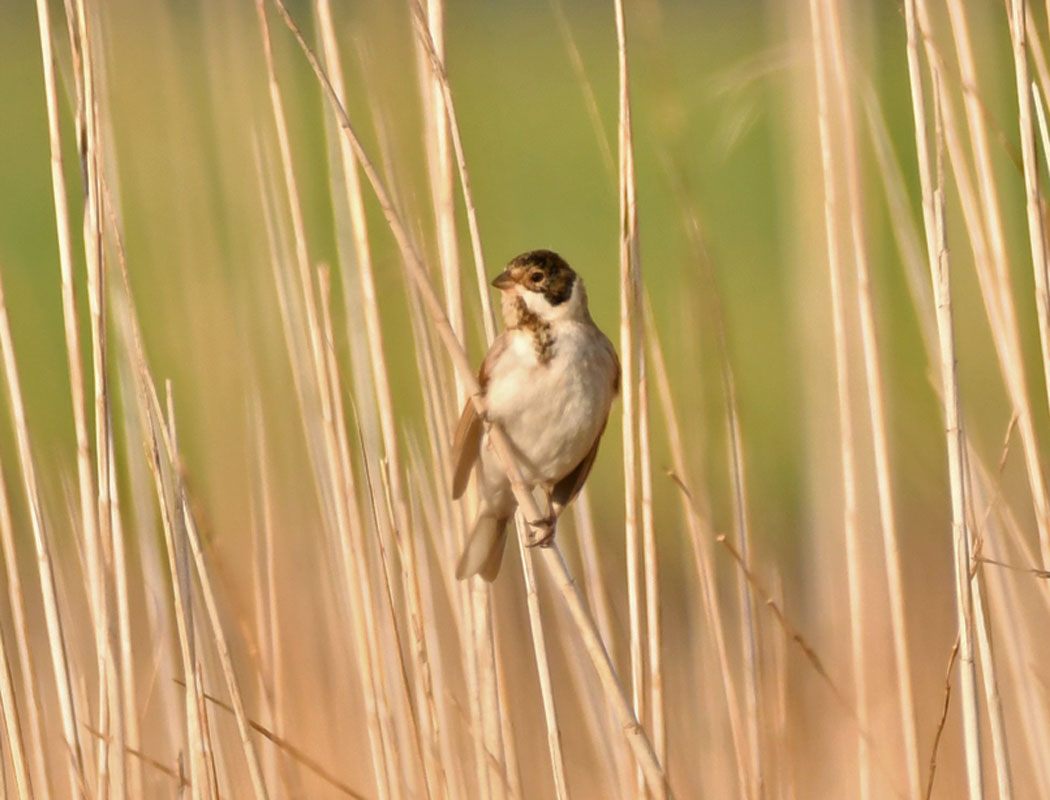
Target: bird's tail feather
484,551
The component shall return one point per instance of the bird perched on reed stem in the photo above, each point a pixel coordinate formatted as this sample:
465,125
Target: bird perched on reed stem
548,381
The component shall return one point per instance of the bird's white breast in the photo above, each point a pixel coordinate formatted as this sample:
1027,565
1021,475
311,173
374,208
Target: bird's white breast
553,411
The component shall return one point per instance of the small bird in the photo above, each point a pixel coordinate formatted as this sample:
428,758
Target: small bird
548,380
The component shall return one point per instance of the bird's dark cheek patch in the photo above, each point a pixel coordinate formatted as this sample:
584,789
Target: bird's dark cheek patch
559,287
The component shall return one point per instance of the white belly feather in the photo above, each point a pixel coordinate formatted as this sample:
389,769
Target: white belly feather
553,412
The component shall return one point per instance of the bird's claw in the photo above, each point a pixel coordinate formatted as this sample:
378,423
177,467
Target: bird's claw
543,531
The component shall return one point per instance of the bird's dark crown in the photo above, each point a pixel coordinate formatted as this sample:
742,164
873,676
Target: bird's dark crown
546,272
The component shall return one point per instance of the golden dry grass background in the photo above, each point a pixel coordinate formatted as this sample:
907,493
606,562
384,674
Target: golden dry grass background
771,161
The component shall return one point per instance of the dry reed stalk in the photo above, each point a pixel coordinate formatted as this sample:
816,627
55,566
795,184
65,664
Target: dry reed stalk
334,469
875,395
701,533
8,702
1006,607
630,378
781,708
100,552
170,452
1013,364
413,263
132,739
330,484
847,453
349,530
439,164
440,77
363,578
543,672
748,622
166,502
982,626
297,754
1033,201
16,601
89,518
470,600
120,566
749,635
903,227
654,640
427,23
993,701
48,588
598,602
796,636
937,253
943,719
403,528
510,745
597,594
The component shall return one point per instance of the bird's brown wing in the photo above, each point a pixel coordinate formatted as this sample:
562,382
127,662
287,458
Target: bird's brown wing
466,442
567,488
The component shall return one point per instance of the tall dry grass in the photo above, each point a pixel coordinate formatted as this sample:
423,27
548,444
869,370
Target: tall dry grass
241,580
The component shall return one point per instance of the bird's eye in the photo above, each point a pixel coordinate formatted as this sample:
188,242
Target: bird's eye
536,277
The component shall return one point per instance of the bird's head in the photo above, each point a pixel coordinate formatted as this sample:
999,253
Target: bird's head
546,284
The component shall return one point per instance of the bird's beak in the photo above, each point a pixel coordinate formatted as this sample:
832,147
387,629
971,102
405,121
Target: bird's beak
503,280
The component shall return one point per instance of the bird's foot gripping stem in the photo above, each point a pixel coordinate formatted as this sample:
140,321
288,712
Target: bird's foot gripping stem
542,531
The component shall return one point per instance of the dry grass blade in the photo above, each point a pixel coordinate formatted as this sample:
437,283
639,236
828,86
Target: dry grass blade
45,570
1033,202
943,719
875,395
936,244
539,646
630,364
847,428
12,723
294,752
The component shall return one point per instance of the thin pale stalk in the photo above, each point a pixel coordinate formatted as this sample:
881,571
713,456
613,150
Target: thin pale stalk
543,672
510,749
100,555
215,622
358,581
439,162
937,255
636,736
654,638
16,600
193,696
875,394
438,65
9,711
847,452
941,277
1033,201
700,535
993,701
48,589
127,661
1014,372
630,280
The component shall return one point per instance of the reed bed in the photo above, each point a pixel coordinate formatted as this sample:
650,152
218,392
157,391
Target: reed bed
812,560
